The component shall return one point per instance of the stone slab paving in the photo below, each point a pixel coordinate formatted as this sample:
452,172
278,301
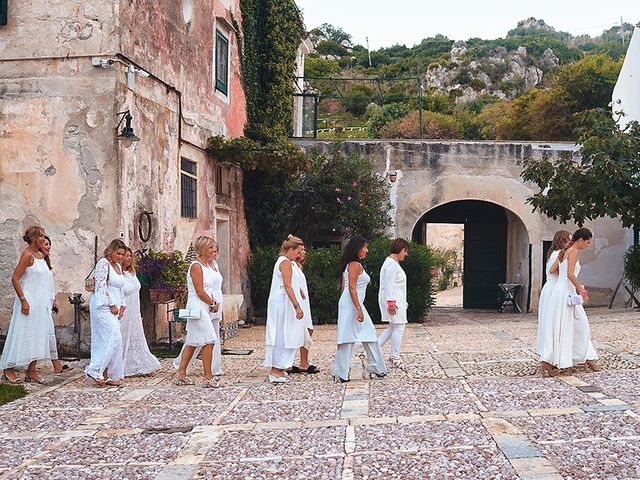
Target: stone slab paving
469,403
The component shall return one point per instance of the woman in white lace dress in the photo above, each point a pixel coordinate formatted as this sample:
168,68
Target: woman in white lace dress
28,336
201,303
138,360
107,305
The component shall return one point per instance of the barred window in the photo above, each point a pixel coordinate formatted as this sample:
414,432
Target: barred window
188,188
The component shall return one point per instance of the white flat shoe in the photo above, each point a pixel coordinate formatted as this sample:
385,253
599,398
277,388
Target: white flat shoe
274,379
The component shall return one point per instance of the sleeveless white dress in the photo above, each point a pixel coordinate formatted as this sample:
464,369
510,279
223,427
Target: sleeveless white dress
571,335
216,294
29,336
349,329
544,346
53,344
138,360
200,332
106,339
305,303
284,333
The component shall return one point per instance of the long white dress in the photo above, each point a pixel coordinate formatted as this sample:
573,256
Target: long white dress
393,286
571,336
215,281
138,360
53,344
284,333
544,345
106,339
28,338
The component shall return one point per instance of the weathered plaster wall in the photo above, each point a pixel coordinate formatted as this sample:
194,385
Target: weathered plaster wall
437,172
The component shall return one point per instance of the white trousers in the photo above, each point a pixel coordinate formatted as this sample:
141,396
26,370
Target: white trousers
342,360
394,333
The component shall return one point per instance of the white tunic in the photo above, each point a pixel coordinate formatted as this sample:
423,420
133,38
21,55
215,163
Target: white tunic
293,327
106,339
393,286
138,360
305,303
544,345
28,338
349,329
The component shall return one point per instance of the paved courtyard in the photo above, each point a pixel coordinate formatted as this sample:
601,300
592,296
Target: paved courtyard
468,404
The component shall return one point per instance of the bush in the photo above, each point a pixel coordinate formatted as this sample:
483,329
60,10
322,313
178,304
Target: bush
434,125
323,279
632,266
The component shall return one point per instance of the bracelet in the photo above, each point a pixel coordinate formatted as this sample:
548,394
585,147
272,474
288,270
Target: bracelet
23,299
296,306
359,307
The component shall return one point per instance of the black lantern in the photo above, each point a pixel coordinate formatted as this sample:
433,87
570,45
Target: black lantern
126,135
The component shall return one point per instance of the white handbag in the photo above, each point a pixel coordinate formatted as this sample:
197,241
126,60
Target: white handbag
575,300
190,314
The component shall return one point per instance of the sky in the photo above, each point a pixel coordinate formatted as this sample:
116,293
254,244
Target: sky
409,21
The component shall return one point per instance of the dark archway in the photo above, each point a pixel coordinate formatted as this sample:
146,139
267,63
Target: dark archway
486,245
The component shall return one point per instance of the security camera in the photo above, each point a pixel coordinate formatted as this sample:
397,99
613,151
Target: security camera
102,62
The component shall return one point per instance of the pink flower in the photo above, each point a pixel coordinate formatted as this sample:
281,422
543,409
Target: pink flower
354,184
338,189
348,198
338,201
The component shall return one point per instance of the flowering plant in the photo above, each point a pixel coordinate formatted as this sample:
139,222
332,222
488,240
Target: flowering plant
164,271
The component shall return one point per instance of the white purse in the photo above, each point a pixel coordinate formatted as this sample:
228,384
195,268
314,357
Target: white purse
190,314
575,300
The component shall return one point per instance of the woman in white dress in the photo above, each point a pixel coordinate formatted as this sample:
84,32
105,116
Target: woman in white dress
544,345
200,301
107,306
305,304
137,358
28,337
58,366
216,317
571,334
392,299
284,333
354,322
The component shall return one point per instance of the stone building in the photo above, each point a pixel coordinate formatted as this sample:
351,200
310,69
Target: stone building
478,184
66,71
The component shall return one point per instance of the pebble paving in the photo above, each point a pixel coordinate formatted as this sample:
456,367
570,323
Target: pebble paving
469,403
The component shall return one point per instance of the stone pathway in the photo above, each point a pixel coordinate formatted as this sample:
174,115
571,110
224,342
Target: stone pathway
467,405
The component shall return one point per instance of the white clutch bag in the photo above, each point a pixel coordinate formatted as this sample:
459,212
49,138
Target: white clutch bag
575,300
189,314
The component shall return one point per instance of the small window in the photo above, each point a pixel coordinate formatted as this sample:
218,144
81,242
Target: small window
188,188
222,181
222,63
4,12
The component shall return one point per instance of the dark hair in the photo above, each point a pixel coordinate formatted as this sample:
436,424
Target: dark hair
350,252
582,234
560,241
46,257
398,245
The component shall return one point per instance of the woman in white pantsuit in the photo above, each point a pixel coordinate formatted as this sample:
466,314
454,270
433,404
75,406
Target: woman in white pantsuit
354,322
284,333
107,305
392,299
200,301
544,345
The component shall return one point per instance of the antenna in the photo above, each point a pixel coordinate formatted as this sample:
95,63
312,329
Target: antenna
368,50
622,30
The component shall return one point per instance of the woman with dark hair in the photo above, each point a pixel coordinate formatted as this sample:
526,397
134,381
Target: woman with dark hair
392,299
137,359
545,321
106,307
354,322
28,336
572,337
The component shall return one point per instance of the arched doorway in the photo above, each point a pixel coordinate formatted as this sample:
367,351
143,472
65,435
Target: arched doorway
496,249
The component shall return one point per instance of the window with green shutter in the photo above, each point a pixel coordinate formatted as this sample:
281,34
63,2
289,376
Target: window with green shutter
222,63
4,11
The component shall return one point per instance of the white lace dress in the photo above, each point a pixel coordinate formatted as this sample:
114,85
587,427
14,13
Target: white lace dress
28,338
138,360
106,339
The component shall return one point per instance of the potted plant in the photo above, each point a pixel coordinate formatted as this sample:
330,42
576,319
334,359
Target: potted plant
165,274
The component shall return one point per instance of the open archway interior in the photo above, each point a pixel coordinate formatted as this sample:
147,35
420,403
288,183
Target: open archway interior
496,249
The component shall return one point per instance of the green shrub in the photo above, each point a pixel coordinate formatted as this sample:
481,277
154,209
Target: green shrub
323,279
632,266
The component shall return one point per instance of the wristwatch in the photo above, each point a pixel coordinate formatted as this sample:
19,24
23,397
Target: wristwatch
23,298
359,307
296,306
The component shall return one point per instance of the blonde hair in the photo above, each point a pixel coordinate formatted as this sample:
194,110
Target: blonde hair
114,245
131,268
203,242
32,233
290,242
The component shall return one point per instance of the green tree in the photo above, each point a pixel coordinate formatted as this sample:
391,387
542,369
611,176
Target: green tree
330,32
358,97
319,67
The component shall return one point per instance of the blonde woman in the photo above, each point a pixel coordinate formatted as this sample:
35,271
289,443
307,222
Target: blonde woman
200,330
284,334
107,306
28,338
137,358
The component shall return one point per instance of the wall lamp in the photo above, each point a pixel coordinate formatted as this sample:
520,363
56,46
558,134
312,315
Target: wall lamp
393,176
126,135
